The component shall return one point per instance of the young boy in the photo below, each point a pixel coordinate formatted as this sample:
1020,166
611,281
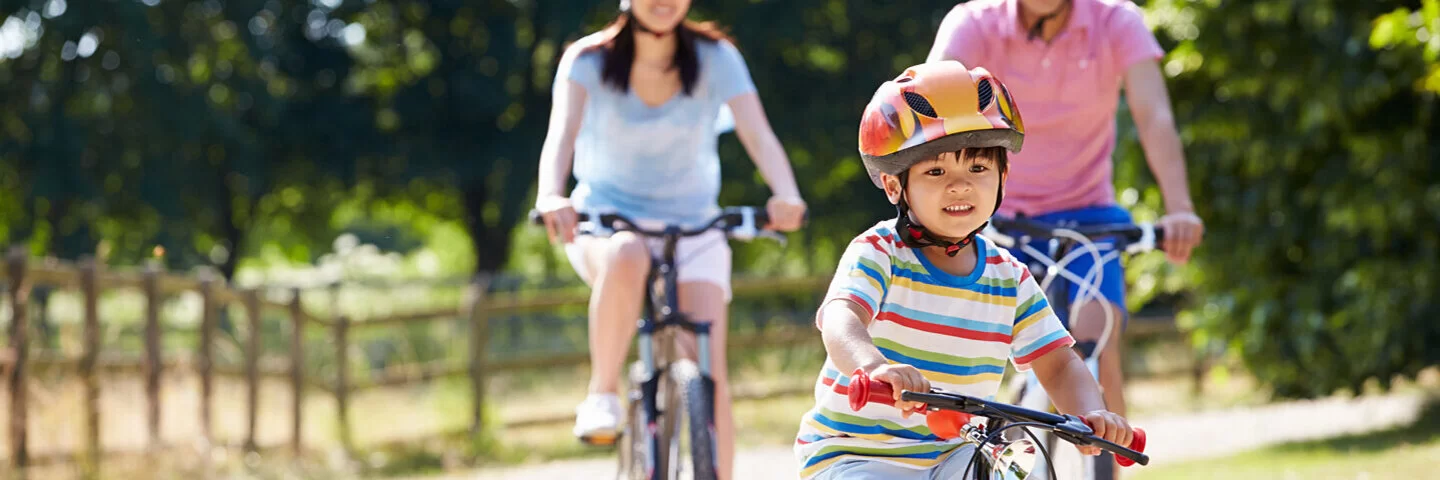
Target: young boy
921,300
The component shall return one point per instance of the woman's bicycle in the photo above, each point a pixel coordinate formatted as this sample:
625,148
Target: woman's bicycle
951,415
1067,244
664,389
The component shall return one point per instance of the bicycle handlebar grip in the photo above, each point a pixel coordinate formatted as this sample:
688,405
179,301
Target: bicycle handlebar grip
943,423
863,390
1137,443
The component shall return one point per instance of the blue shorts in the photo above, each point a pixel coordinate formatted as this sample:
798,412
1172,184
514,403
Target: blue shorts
1112,286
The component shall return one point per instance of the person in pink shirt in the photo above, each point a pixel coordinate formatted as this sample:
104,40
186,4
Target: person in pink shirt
1068,60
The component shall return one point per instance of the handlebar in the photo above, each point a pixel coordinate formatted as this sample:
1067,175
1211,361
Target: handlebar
743,223
1139,236
945,413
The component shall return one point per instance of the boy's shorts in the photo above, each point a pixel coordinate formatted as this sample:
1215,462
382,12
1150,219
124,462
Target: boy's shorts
953,467
1112,286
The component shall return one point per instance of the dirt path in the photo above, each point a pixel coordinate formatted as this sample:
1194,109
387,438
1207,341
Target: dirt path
1172,438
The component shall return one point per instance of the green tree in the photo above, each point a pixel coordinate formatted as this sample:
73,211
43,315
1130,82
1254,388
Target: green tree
1310,154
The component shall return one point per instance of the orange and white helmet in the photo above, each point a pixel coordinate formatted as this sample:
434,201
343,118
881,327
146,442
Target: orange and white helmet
934,108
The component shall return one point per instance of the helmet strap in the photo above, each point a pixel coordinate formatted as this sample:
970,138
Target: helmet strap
917,236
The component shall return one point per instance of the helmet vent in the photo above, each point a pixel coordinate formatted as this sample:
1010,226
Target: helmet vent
986,94
919,104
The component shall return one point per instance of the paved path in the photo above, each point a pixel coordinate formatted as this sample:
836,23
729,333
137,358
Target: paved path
1172,439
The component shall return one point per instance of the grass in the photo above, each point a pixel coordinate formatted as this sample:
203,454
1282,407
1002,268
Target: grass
1407,452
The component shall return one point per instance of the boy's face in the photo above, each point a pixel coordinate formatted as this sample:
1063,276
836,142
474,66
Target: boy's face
951,195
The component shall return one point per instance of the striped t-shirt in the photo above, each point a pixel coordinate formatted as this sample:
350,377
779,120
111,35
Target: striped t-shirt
959,331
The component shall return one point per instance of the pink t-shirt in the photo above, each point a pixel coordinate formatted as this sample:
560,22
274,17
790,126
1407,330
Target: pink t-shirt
1068,92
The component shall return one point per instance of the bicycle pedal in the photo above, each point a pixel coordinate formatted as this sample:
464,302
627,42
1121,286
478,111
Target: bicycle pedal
600,439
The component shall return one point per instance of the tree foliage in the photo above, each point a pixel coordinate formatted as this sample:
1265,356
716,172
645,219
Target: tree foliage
1315,171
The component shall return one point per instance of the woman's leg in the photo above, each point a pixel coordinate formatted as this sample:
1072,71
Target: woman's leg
616,268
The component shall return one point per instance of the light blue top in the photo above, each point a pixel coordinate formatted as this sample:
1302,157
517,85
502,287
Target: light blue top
655,163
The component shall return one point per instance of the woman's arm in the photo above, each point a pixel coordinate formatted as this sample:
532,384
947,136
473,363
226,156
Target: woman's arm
557,156
753,128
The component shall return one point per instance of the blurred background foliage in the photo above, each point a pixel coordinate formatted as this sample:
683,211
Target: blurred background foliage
277,139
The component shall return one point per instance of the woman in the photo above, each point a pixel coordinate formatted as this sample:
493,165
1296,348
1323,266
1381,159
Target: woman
636,105
1069,60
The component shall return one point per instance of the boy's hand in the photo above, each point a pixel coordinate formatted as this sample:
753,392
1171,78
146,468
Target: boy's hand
1109,426
901,377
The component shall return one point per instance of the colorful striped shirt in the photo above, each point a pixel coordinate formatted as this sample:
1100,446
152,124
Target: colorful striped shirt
959,331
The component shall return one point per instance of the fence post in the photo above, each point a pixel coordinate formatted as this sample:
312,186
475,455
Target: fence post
342,379
252,367
479,336
297,366
203,356
19,293
152,349
91,355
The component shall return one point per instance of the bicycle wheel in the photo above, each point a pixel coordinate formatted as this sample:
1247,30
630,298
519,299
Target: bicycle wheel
645,452
698,397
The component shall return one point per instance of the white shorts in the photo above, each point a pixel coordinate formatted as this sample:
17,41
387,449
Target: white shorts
702,258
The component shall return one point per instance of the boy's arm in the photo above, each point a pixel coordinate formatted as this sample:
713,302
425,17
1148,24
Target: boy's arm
849,345
1068,382
842,326
1075,392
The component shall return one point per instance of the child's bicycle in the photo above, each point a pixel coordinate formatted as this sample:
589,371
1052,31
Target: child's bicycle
665,389
1068,243
950,415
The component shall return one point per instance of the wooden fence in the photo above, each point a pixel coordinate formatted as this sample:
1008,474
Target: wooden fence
21,274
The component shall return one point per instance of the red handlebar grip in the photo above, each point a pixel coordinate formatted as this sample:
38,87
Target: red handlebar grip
1137,444
863,390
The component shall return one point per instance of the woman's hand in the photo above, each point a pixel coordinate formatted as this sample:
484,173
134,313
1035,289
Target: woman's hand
559,217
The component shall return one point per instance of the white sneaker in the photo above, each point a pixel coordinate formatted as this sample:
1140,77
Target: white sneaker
597,419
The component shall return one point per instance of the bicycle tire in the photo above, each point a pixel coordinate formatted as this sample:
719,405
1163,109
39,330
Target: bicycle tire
697,395
638,442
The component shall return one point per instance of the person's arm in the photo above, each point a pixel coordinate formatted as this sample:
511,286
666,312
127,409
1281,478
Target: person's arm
558,152
1075,392
1138,55
861,282
1150,107
753,128
734,87
843,327
1040,344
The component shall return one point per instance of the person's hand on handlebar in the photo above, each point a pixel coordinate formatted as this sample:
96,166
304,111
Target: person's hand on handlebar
559,216
786,213
901,378
1109,426
1183,230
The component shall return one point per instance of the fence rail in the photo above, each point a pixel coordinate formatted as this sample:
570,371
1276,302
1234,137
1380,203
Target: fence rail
476,307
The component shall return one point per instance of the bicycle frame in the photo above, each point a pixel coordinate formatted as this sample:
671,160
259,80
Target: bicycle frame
656,340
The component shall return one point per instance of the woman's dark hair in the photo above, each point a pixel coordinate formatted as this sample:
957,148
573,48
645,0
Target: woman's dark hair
619,51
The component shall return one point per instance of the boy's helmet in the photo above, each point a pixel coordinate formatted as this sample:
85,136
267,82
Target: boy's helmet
930,109
933,108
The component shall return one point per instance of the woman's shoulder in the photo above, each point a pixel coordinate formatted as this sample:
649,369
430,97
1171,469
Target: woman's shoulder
714,50
589,46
